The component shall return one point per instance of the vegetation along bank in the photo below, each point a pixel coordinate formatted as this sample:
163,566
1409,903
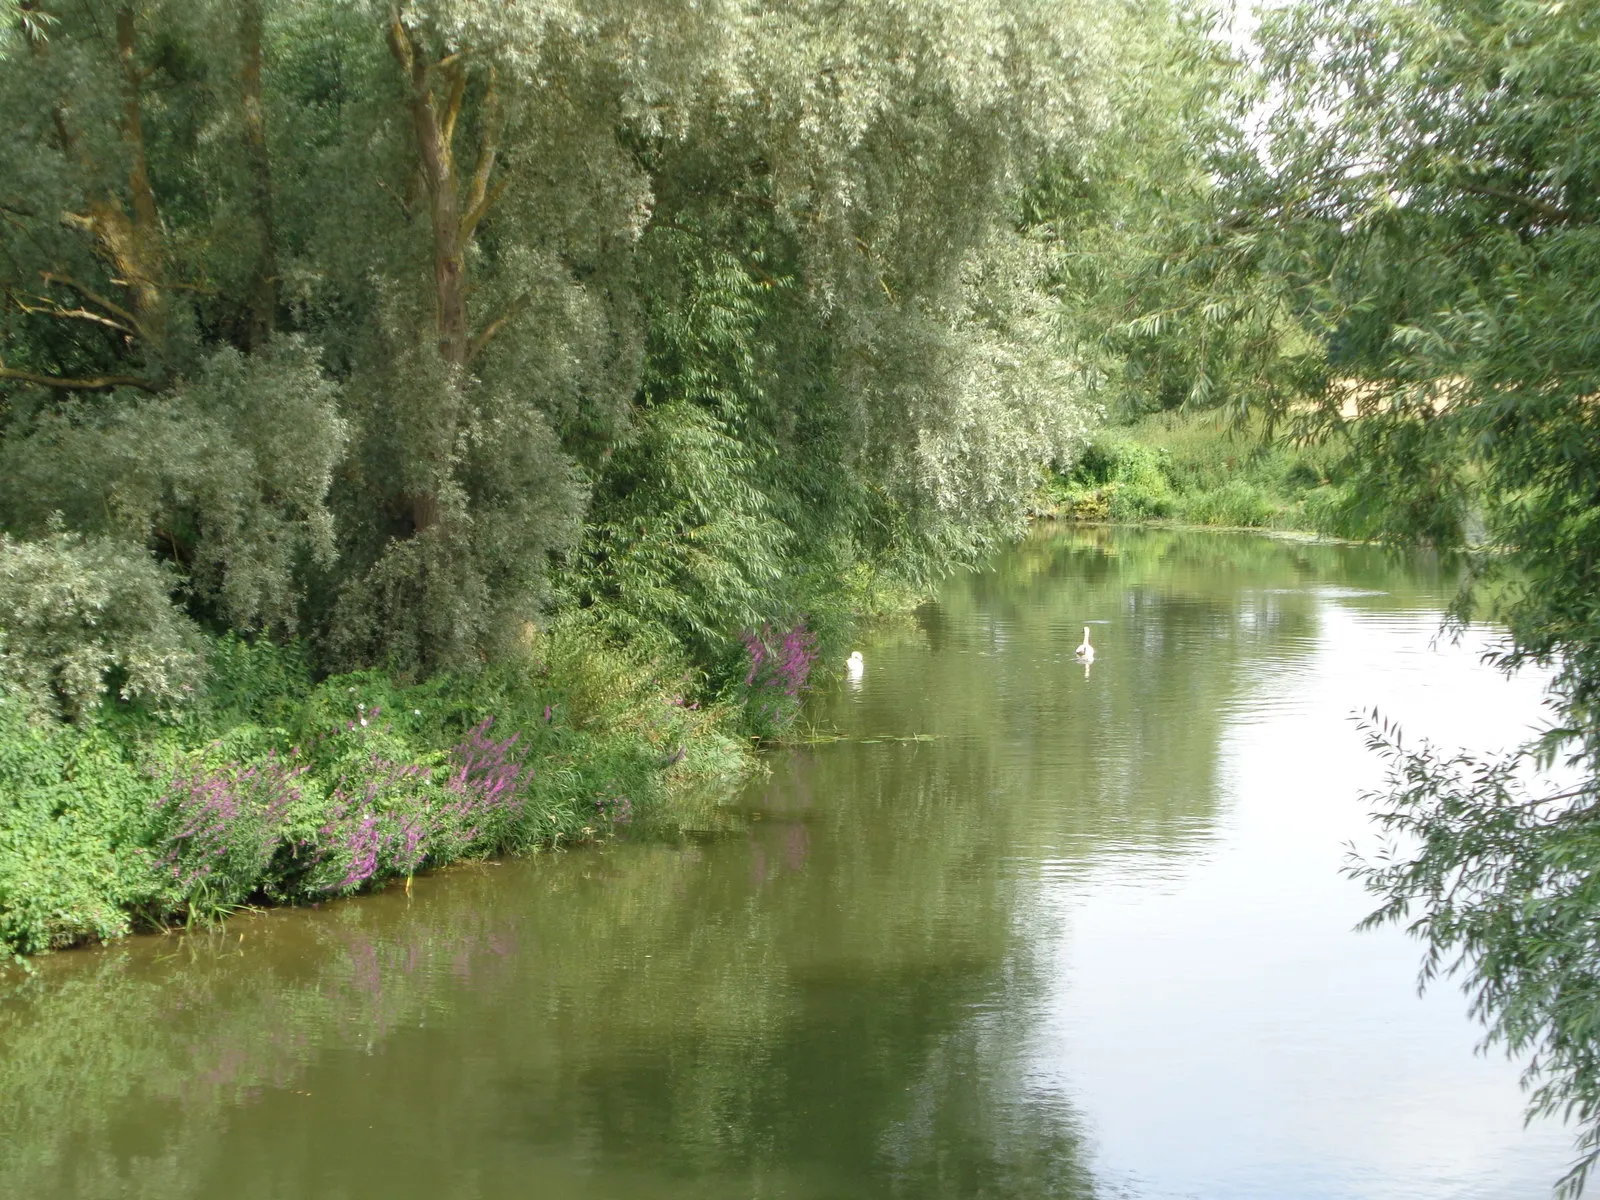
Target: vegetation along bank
436,429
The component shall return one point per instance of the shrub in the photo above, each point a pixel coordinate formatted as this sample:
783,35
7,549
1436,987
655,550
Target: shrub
78,614
293,791
215,830
71,810
778,672
1119,480
484,797
377,826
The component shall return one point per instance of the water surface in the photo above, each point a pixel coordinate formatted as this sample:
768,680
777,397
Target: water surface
1018,931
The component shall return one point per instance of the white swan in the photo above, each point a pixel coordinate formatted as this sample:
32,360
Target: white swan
1085,652
854,666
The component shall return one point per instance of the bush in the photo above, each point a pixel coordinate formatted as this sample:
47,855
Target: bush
778,671
270,787
1194,467
71,811
214,831
80,614
1119,480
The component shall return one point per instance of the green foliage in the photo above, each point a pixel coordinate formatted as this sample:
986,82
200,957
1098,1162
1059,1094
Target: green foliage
1196,468
607,304
1235,503
227,475
273,787
78,615
1119,480
214,830
1497,876
1432,197
70,801
688,546
1166,285
487,359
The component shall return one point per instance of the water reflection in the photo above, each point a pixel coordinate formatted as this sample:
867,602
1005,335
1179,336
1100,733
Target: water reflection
1017,933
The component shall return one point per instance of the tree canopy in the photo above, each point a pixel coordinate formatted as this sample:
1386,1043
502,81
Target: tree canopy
394,326
1426,197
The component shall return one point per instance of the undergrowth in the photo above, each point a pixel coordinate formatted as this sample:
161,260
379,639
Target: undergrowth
1198,469
273,787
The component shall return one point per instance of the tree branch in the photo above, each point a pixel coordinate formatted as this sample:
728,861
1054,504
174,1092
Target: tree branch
480,197
400,42
469,222
512,311
452,104
1543,208
97,383
93,297
51,309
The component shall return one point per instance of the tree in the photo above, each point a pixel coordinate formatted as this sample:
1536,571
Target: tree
1432,183
676,314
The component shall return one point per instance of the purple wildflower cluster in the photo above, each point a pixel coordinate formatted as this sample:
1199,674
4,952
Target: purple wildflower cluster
216,829
397,816
785,666
485,793
779,669
376,825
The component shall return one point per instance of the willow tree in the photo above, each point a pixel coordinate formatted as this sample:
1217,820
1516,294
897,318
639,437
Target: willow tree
128,414
842,294
1434,182
395,325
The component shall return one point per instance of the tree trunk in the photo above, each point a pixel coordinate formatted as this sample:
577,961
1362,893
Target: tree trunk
433,122
137,244
264,272
132,246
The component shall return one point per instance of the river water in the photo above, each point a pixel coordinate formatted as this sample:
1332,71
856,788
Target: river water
1009,929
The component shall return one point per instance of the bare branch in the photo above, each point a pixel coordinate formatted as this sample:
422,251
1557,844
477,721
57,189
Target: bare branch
97,383
91,296
50,308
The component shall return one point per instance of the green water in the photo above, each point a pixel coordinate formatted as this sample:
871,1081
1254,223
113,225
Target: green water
1017,930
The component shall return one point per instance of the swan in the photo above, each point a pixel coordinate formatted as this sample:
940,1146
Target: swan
855,665
1085,652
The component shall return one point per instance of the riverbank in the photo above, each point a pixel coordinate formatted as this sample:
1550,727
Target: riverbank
274,788
673,1017
1199,469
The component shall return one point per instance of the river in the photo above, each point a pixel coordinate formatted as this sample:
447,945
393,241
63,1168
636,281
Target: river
1007,929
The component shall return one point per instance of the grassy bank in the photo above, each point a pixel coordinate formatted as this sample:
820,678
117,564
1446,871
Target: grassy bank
273,787
1198,468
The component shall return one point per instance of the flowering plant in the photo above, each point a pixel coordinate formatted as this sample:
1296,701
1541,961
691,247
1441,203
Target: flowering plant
389,818
215,829
780,666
